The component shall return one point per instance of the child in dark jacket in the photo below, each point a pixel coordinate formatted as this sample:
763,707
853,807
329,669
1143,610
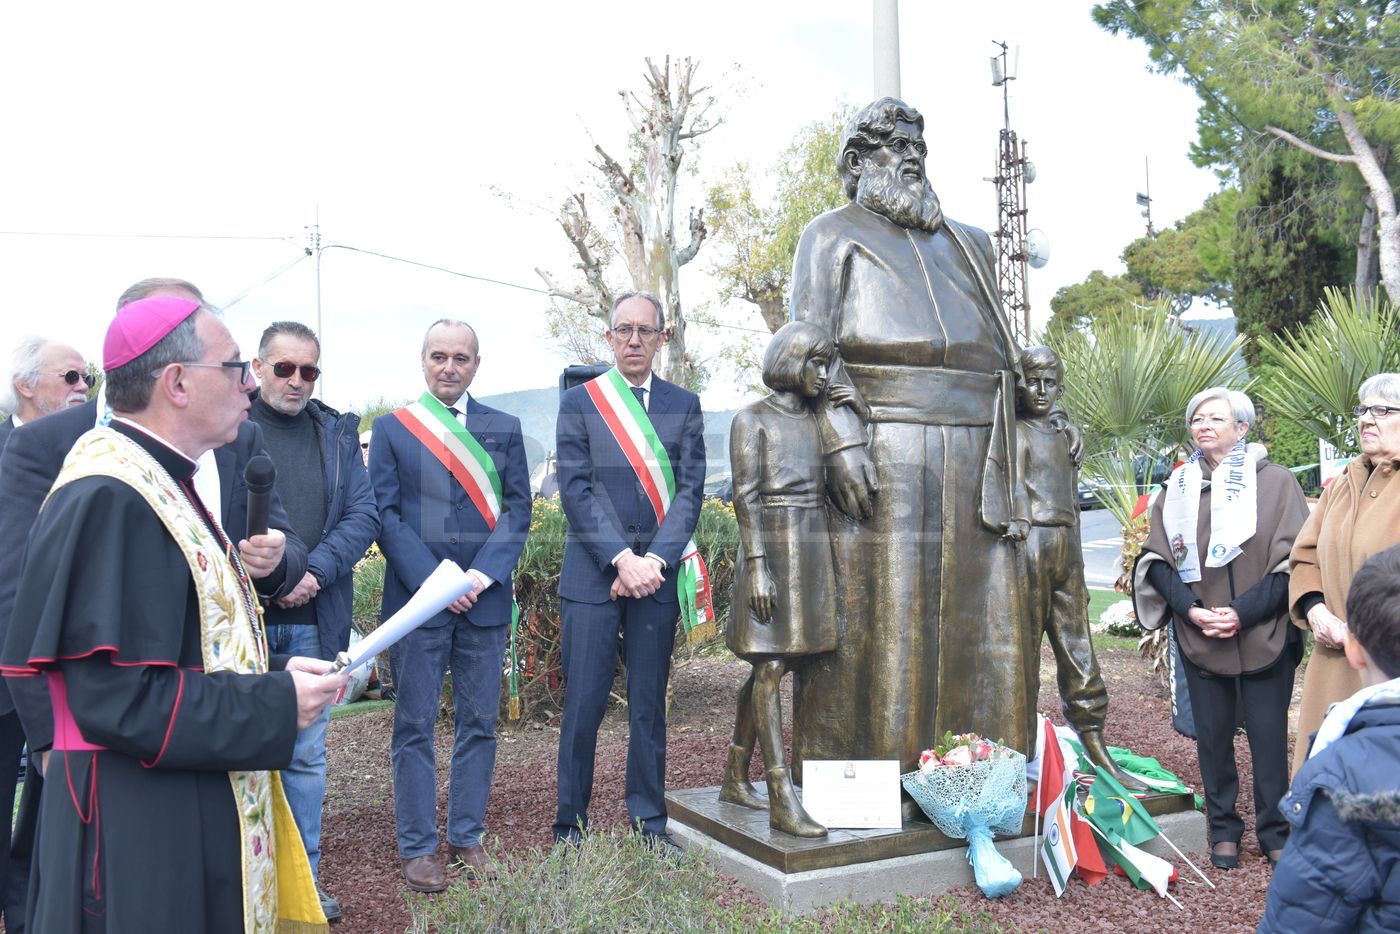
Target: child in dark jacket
1341,868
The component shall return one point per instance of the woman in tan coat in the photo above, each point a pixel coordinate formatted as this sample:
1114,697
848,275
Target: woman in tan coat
1357,516
1216,562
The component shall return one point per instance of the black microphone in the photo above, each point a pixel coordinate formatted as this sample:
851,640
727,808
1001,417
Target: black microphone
259,475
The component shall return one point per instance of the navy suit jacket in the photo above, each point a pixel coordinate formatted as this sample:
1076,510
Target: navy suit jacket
32,458
607,508
426,516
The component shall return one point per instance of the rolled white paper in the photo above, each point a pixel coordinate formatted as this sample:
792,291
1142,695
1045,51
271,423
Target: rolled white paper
444,585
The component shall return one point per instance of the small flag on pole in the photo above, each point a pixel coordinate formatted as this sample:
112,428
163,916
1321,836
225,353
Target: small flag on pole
1117,813
1090,866
1058,849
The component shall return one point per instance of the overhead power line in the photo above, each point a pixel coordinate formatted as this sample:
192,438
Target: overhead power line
136,236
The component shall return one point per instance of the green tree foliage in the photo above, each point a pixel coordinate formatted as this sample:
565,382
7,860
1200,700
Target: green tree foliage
1077,306
1194,258
1290,246
1321,365
1191,259
1321,76
756,239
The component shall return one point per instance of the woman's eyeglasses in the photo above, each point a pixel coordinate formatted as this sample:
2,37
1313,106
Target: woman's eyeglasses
1377,411
72,377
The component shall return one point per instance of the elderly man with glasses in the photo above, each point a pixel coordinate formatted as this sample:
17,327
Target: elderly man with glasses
323,482
45,377
631,460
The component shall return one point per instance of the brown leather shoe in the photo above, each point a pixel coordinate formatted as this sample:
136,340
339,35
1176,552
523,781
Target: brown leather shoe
472,859
425,873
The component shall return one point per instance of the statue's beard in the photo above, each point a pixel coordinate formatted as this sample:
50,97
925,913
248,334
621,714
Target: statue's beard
880,189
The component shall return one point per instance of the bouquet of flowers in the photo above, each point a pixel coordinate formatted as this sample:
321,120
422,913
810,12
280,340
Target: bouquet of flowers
972,788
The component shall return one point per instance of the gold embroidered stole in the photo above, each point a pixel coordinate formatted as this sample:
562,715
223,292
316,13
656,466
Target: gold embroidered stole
278,892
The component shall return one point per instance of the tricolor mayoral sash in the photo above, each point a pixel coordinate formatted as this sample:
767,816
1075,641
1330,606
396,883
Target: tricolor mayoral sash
279,894
438,430
634,433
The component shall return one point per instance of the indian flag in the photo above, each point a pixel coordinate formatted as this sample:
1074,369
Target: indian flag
1058,850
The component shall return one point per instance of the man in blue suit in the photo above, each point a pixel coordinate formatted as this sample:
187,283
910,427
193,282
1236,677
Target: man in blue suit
629,523
455,486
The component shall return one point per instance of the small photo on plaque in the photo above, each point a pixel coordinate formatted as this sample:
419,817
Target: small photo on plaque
852,793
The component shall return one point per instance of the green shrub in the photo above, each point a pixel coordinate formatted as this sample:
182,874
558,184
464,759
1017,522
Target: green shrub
536,654
612,882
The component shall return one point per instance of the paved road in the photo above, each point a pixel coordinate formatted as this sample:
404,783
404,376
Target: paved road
1102,540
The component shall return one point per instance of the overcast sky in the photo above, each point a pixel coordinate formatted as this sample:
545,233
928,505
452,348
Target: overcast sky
395,121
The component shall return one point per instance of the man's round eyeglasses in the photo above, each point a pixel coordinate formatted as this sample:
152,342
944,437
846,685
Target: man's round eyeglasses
1377,411
899,145
72,377
244,368
645,332
284,370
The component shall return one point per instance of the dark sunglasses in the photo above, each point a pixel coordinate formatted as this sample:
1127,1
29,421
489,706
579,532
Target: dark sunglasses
284,370
72,377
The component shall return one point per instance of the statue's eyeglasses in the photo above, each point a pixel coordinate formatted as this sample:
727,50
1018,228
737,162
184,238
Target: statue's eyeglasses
1378,412
900,145
72,377
645,332
284,370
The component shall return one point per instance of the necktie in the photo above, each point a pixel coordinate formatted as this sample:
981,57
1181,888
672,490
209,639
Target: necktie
457,414
641,395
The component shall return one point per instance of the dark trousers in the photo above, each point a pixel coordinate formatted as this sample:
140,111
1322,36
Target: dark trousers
1265,696
16,845
589,653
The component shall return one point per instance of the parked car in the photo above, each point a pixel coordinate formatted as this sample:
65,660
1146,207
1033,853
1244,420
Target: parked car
1149,469
720,486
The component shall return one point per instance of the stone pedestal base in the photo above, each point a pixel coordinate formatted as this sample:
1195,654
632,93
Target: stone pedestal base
798,875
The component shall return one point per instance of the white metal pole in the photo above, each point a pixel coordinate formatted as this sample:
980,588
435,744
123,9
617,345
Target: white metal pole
886,48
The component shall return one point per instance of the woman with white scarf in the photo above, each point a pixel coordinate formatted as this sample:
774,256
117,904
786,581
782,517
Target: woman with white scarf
1216,565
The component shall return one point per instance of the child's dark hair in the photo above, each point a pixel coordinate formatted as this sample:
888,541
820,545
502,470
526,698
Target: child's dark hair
791,347
1041,357
1373,609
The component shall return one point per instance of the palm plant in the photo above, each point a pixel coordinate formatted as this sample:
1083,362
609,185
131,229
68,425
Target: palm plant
1127,381
1323,363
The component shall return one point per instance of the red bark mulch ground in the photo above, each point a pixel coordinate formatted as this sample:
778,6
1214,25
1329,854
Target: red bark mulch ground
360,863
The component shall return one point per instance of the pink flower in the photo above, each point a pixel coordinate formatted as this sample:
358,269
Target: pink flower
962,755
257,845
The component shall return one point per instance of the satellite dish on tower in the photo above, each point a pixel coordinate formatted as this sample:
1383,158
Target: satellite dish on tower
1028,170
1037,248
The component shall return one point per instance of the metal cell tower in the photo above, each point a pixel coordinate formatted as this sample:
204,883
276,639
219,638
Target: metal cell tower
1014,170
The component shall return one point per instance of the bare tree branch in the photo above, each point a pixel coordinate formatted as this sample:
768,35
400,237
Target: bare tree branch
1309,147
557,291
698,232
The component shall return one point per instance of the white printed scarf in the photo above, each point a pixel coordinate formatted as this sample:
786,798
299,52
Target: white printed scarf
1233,510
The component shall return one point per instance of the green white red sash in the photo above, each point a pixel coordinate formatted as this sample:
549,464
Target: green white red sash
438,430
642,447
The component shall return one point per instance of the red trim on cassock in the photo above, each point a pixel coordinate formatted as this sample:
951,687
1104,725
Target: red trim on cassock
170,727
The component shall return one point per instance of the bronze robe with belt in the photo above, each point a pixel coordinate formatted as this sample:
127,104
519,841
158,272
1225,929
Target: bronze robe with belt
933,632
